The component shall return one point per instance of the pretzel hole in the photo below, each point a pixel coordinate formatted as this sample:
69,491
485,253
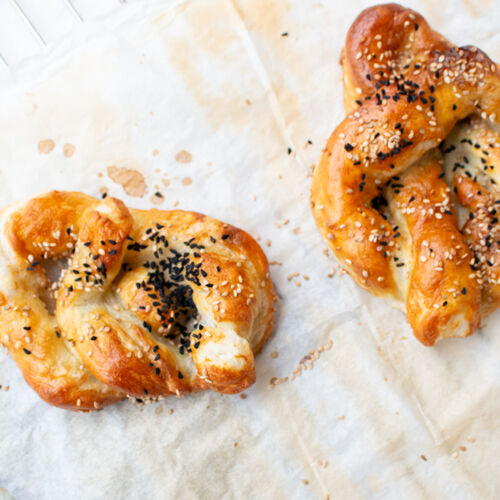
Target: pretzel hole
379,203
53,269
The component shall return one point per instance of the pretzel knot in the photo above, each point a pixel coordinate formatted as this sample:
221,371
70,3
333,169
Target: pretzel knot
389,202
150,303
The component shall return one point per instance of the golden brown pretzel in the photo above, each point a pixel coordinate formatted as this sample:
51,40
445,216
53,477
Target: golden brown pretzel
378,193
152,303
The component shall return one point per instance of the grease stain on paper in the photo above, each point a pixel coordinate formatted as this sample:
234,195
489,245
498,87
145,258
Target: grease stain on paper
183,157
69,150
132,181
45,146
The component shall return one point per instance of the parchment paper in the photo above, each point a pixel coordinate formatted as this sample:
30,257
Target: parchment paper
235,89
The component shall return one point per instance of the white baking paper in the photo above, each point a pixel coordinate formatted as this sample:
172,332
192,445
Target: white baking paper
213,103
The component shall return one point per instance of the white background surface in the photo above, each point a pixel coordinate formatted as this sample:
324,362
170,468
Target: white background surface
173,75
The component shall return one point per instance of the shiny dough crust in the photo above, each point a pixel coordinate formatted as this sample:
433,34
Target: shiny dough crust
152,303
385,197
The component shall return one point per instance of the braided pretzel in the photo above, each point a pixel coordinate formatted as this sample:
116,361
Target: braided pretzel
152,303
379,195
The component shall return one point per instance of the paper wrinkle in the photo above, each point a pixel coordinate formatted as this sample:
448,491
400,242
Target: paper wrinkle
172,76
266,83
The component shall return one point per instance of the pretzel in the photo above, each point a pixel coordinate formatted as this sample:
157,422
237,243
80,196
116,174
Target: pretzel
379,193
150,303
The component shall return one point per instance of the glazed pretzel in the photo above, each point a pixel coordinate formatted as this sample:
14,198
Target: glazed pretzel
379,195
152,303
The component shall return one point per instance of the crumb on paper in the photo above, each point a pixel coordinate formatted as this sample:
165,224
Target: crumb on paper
45,146
342,417
156,152
268,243
132,181
423,457
159,410
104,192
187,181
170,412
69,150
243,396
248,102
5,388
305,481
183,157
307,362
274,381
275,354
175,203
157,198
166,182
235,444
296,230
